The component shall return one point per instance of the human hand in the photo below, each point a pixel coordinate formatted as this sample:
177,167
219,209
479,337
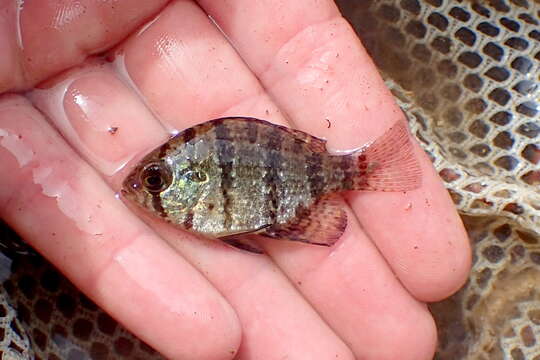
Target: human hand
292,61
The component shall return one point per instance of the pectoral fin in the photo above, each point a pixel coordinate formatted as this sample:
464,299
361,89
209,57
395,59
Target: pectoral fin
322,223
242,241
243,244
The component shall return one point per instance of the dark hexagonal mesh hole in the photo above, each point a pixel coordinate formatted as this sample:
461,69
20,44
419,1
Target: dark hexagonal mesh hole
447,68
529,129
510,24
503,232
476,106
507,162
525,87
531,152
500,96
528,108
503,140
451,92
481,150
493,253
466,36
388,13
442,44
412,6
473,82
517,43
488,29
470,59
493,50
498,73
532,178
522,64
438,20
459,14
416,29
421,52
479,129
501,118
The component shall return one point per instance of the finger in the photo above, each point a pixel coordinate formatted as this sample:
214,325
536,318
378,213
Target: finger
310,61
64,210
41,38
201,87
276,320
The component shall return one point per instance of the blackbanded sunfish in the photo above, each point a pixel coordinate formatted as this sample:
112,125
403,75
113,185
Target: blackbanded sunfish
234,176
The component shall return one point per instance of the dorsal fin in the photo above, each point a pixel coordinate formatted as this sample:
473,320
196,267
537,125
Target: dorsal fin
322,223
313,143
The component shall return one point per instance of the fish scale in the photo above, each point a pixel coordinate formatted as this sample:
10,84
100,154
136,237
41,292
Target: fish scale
235,176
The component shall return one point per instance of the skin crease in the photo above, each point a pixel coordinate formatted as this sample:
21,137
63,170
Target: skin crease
361,298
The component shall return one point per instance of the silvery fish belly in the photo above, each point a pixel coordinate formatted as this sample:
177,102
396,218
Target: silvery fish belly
234,176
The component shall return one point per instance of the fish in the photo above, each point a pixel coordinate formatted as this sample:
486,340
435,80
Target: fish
232,177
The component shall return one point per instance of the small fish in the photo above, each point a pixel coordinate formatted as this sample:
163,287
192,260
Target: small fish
234,176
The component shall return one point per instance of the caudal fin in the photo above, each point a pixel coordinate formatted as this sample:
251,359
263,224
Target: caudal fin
389,163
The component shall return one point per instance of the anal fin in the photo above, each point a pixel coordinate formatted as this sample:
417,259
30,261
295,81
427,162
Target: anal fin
322,223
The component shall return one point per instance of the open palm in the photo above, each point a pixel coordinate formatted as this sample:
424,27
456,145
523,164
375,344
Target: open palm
65,144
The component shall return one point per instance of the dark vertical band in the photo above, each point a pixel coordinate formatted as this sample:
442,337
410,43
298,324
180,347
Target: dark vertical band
225,154
156,204
274,140
163,150
188,134
252,131
188,221
273,162
314,173
347,167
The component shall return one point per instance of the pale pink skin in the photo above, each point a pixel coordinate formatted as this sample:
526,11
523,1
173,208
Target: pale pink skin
363,297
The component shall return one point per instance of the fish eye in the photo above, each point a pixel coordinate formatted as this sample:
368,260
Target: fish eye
197,176
155,177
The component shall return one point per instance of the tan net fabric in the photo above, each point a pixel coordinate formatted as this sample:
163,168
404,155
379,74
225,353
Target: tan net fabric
14,341
467,75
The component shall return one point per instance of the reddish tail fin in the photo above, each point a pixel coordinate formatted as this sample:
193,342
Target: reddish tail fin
389,163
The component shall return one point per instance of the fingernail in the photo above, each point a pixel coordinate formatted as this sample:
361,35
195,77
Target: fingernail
101,117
